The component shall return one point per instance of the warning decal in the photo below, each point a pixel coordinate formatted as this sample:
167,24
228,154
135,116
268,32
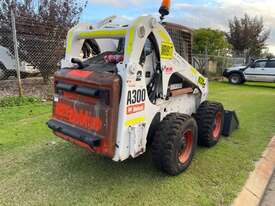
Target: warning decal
167,50
135,108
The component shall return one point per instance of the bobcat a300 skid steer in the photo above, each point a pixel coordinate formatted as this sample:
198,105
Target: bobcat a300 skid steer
130,90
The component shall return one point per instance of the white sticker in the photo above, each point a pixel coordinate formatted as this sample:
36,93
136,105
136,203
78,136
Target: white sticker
55,99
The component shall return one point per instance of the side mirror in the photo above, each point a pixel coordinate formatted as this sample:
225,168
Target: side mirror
253,65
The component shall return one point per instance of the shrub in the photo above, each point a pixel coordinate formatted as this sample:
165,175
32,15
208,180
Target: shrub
18,101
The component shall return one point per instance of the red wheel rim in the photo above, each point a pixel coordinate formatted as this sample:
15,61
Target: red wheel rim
217,126
186,147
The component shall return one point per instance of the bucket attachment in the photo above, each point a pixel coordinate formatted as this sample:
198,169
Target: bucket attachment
231,123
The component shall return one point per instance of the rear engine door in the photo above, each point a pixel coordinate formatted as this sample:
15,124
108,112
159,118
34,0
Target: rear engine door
85,108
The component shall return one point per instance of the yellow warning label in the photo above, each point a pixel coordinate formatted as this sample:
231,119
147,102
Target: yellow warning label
134,121
167,50
201,81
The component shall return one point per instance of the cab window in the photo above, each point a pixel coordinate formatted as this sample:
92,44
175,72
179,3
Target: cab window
147,50
260,64
270,64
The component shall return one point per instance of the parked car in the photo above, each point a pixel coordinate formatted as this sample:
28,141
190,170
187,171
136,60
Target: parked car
261,70
8,65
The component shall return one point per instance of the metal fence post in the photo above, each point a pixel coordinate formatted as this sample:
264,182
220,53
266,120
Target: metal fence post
16,54
207,61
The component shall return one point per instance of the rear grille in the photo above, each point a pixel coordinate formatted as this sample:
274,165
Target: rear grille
85,91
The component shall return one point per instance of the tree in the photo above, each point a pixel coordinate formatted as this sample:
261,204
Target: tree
213,41
42,26
267,54
247,36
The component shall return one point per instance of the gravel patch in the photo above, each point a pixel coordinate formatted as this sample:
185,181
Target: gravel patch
31,87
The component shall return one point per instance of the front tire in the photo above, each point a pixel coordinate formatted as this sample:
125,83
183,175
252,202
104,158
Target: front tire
174,143
210,117
235,78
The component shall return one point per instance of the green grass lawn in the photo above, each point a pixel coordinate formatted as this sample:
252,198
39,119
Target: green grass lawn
33,171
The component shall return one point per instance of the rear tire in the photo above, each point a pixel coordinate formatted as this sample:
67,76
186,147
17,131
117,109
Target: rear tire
174,143
235,78
210,117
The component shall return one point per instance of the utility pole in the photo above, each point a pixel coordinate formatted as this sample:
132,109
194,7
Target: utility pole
20,89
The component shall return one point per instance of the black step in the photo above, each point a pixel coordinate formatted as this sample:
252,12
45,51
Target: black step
74,132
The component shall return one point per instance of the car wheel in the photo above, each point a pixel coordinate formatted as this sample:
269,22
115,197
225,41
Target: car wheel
235,78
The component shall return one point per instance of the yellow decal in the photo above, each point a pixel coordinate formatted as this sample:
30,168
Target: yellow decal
131,36
95,33
164,36
201,81
102,33
134,121
167,50
69,42
194,71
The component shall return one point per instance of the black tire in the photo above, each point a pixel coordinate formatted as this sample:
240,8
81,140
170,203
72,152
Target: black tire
3,72
210,117
235,78
174,143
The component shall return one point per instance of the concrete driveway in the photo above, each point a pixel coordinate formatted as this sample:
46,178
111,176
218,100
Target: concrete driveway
269,197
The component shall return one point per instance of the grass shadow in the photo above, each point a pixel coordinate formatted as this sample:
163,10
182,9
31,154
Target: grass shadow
75,165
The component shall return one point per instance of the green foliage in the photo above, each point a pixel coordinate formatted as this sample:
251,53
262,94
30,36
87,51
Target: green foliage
247,36
267,54
41,26
18,101
212,40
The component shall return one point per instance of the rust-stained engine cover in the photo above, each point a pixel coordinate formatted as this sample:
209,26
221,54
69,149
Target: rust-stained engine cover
85,109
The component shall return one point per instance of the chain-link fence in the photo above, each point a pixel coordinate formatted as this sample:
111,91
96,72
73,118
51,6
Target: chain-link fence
213,66
40,47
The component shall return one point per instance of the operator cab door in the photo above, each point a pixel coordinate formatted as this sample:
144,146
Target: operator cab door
256,71
270,71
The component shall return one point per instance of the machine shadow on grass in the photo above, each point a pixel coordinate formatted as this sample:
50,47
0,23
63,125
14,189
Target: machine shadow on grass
67,160
90,168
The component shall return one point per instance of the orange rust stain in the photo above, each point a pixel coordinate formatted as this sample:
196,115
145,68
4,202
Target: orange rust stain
80,73
74,141
78,117
79,97
105,148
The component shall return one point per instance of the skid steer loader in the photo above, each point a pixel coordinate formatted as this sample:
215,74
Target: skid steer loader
132,90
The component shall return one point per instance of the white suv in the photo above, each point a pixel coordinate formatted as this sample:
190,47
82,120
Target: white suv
8,65
261,70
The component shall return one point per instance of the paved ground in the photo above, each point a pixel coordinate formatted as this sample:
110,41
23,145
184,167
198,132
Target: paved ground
258,185
269,198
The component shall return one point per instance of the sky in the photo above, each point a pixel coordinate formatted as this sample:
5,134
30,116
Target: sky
194,14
